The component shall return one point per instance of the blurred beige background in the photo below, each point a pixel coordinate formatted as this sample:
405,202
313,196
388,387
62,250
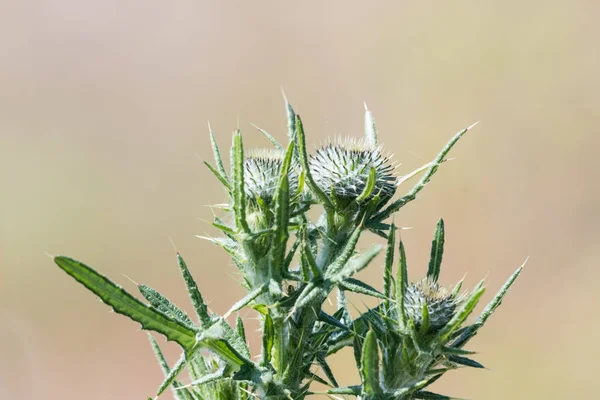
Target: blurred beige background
103,106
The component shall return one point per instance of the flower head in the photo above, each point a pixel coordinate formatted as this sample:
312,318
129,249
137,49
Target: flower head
261,176
441,305
342,170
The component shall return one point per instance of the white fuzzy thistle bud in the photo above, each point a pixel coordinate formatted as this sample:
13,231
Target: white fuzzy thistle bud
261,176
342,170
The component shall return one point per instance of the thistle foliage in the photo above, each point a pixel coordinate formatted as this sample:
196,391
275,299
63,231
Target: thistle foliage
290,265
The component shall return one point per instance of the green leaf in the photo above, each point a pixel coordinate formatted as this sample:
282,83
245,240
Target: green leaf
239,195
370,129
388,280
325,201
310,293
349,390
456,351
355,265
212,340
327,370
308,257
217,154
209,378
195,296
368,190
182,394
124,303
269,137
291,120
433,167
268,338
357,286
457,288
164,305
328,319
461,315
488,310
437,251
424,320
237,342
425,395
282,215
174,373
401,285
221,178
465,361
239,328
336,266
290,256
369,370
247,299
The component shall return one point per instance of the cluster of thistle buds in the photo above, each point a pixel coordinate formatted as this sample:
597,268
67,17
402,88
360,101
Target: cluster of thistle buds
291,265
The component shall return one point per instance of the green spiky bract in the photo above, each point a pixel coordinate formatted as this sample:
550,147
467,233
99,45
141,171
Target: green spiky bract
290,265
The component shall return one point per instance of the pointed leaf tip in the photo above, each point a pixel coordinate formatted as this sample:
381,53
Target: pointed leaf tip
473,126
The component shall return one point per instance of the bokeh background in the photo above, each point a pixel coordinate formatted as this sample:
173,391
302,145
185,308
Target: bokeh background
103,110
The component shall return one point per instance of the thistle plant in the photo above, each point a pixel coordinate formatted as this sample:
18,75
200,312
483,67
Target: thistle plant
290,265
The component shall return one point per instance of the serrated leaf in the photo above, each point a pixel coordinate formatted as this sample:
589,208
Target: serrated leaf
282,215
369,370
357,286
355,265
174,372
164,305
336,266
305,165
401,285
349,390
307,254
247,299
222,348
239,195
488,310
195,296
216,173
208,378
124,303
237,342
461,315
239,328
182,394
217,154
437,251
310,293
433,167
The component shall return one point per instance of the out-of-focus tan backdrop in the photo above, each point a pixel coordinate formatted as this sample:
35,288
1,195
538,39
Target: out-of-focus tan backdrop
103,109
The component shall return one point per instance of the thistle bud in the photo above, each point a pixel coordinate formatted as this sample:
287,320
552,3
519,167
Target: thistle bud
441,304
261,177
341,170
